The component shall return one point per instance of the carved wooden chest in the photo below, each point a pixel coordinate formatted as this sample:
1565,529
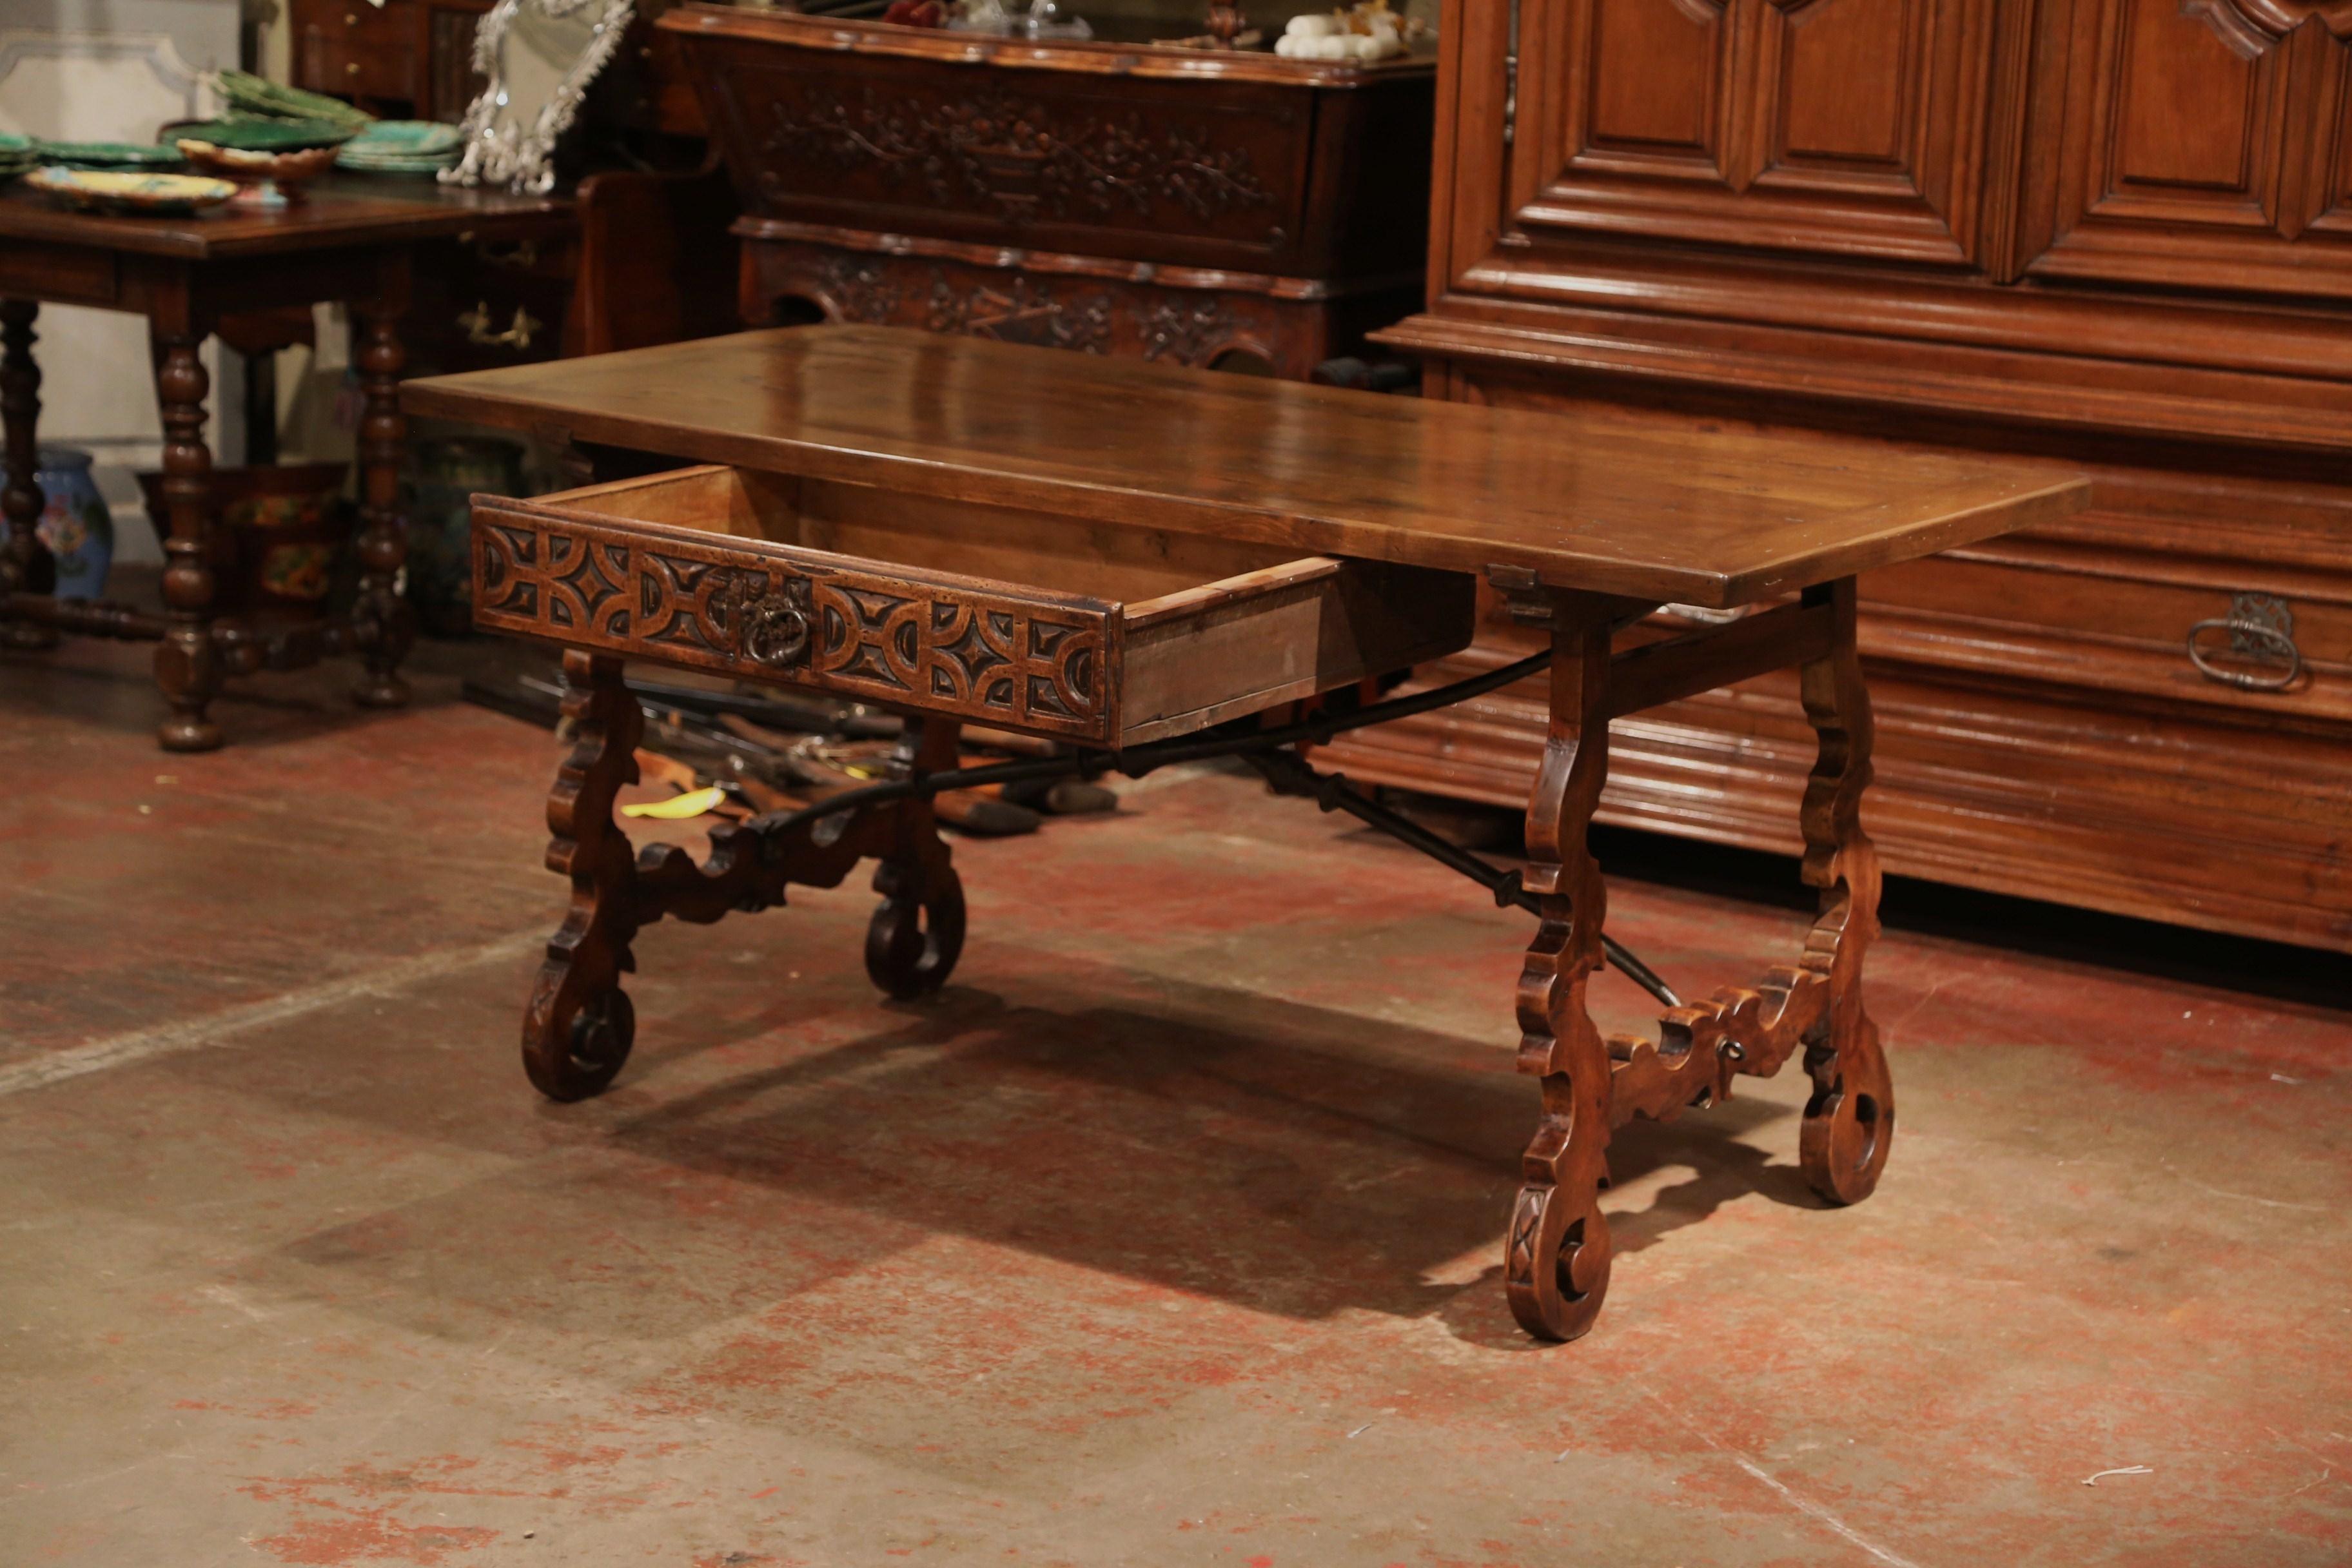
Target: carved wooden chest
1171,204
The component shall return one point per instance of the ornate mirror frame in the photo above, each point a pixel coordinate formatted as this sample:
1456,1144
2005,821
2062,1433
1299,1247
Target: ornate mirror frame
514,146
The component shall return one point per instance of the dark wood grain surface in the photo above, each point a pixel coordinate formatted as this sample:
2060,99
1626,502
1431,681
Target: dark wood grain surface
344,209
1697,513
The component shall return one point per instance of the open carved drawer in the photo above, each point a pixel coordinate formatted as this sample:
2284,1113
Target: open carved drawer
1023,620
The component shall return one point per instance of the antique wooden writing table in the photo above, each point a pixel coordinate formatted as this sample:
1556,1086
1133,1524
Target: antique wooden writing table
1122,557
352,240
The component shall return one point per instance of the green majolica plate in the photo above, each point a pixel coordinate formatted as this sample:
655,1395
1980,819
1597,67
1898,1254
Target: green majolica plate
106,154
261,135
404,139
114,191
402,147
256,95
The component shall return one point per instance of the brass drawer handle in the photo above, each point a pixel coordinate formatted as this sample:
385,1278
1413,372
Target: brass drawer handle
2261,630
518,335
775,627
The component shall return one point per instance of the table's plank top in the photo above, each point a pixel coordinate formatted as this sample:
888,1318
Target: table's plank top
343,209
1691,512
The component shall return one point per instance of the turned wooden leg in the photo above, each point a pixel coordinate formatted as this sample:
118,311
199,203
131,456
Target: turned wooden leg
1849,1121
384,625
578,1027
917,934
1555,1258
187,667
25,566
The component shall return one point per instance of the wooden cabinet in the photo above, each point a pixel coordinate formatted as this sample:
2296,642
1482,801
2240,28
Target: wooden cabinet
2109,232
410,56
354,48
1108,196
415,57
648,261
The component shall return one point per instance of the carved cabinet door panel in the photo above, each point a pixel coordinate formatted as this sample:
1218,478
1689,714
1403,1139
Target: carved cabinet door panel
1853,127
2202,142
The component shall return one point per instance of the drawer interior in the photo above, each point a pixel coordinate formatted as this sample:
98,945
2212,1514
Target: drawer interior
1206,629
972,538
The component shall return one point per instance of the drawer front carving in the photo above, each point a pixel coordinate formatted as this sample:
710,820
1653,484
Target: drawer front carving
1839,125
1110,168
1091,315
1038,662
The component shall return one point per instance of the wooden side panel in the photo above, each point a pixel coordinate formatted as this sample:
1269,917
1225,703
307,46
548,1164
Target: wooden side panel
1656,89
1218,653
1849,126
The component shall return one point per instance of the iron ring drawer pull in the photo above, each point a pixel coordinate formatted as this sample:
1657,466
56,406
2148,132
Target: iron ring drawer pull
775,633
2260,628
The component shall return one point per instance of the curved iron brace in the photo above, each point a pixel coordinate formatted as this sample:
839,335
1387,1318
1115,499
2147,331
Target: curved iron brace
1265,751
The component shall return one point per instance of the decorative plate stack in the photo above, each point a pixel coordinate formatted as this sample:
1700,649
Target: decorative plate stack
250,97
17,156
423,147
119,157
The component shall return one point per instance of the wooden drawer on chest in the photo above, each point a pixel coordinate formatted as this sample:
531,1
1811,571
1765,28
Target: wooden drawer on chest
1194,173
356,49
1027,621
2226,594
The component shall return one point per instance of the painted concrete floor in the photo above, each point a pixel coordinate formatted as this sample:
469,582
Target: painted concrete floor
1169,1236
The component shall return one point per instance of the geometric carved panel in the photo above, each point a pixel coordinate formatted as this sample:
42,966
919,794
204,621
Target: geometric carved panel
1849,126
999,655
2201,135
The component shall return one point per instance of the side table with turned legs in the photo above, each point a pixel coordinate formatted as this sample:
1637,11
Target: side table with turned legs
352,241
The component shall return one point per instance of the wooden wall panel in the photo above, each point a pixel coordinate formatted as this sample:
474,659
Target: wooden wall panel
1848,126
2206,135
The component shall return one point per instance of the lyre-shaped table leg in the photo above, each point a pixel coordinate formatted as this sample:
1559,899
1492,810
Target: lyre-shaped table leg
578,1027
1555,1258
1849,1121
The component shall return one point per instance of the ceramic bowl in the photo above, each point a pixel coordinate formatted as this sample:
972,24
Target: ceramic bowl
267,179
97,189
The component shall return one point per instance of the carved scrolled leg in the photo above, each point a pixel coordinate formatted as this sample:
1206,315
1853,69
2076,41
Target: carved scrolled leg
187,663
25,566
578,1027
1849,1121
917,934
1555,1258
383,623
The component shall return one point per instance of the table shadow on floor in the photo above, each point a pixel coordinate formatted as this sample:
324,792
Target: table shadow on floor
1318,1162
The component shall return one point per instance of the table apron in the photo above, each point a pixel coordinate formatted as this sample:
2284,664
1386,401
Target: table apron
59,274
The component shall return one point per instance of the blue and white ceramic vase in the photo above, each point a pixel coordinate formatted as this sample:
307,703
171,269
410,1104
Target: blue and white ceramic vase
75,523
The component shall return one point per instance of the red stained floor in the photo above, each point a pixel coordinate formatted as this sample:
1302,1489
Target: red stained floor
1169,1235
